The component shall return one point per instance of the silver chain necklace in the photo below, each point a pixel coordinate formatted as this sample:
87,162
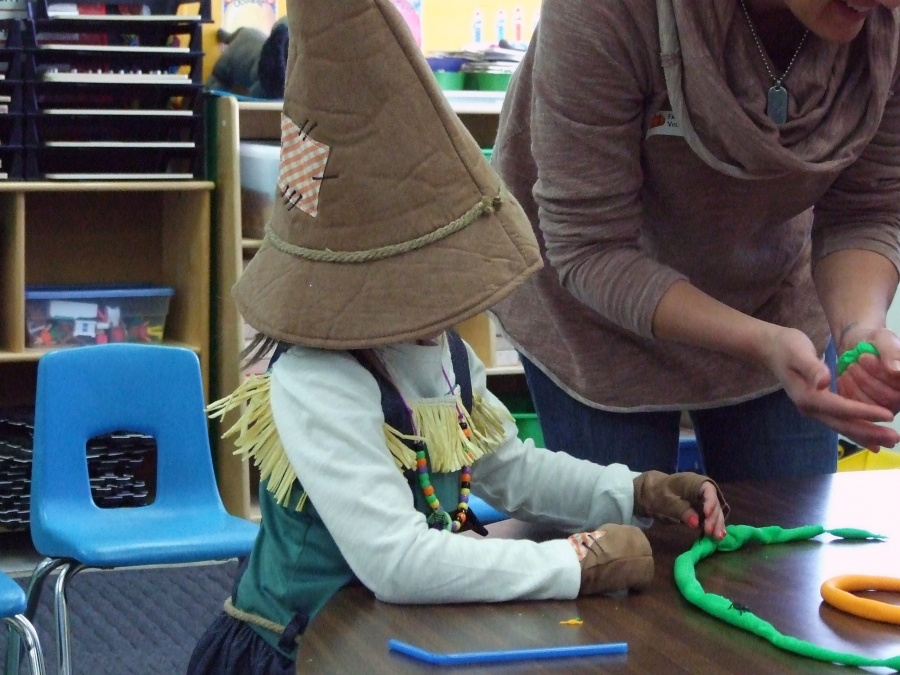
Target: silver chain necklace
777,100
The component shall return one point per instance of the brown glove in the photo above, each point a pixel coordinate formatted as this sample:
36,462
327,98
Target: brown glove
668,496
613,558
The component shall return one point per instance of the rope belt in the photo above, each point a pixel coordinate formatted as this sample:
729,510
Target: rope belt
255,619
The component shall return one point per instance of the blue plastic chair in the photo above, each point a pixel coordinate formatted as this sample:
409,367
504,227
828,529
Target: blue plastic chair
148,389
12,611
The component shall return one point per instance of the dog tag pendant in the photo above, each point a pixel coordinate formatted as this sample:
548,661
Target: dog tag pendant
777,104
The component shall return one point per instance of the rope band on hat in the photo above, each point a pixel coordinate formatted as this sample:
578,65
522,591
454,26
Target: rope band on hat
485,206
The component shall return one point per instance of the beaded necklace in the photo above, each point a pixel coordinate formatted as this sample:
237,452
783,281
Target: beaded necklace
438,518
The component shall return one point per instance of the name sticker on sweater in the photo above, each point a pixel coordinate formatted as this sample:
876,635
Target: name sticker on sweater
664,124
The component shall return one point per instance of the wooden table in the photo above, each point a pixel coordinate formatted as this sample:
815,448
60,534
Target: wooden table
665,634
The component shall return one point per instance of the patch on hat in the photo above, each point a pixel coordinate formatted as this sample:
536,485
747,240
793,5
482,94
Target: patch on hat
302,167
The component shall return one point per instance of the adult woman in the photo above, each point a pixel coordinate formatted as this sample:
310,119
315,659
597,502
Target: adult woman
669,154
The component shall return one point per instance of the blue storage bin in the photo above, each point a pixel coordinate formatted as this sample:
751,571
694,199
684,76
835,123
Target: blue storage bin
689,456
58,316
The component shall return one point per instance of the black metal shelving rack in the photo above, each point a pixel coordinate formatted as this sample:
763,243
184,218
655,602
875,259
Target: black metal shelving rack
120,99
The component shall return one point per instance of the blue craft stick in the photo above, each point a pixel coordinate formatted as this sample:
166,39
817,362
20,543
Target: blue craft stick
507,655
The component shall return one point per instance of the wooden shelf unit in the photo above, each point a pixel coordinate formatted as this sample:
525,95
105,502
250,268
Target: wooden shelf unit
237,121
102,233
234,122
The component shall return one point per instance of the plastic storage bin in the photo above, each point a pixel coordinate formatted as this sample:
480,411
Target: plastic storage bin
529,427
689,456
259,186
866,460
522,409
87,315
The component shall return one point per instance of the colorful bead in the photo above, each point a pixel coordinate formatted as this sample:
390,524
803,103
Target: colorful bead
441,519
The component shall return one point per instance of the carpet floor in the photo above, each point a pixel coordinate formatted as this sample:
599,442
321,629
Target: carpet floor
134,622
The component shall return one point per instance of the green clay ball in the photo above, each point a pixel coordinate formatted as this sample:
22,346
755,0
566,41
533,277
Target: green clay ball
852,356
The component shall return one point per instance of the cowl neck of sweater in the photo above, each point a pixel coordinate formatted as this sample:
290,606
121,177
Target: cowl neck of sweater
717,86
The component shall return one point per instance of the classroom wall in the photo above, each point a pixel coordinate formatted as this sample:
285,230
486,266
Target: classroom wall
452,24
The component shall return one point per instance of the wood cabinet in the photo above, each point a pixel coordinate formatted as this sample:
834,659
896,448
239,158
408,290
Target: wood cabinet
64,233
237,121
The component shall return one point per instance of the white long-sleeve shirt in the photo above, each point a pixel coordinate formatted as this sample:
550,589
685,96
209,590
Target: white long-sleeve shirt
327,409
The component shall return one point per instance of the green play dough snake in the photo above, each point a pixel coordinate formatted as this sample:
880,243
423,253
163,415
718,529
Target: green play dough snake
722,608
852,356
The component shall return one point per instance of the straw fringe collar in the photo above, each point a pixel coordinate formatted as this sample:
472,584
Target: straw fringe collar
256,437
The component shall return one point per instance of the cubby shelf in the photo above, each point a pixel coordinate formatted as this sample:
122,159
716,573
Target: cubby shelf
107,233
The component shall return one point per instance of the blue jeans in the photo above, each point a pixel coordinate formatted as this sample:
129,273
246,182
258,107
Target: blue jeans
767,437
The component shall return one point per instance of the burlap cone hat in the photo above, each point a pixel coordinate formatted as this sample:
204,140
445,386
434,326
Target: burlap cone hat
391,224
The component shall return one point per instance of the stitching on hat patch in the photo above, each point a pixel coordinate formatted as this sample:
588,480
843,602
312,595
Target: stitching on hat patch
302,166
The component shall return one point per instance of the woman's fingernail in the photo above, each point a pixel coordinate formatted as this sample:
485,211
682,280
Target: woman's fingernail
693,521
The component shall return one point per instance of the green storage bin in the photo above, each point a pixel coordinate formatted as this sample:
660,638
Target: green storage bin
450,81
529,427
521,407
488,81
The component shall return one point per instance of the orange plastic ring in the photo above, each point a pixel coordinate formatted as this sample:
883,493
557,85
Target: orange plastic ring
838,592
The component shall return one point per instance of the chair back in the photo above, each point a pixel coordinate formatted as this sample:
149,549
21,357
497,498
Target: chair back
90,391
12,598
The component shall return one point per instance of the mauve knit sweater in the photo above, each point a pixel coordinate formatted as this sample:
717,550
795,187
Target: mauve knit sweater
622,213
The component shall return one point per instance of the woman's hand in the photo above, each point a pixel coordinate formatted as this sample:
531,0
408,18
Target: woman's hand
873,379
791,356
688,315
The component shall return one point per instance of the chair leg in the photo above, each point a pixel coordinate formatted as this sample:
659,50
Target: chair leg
63,651
35,585
22,627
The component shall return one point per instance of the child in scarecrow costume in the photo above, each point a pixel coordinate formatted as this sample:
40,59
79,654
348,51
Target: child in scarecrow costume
375,423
